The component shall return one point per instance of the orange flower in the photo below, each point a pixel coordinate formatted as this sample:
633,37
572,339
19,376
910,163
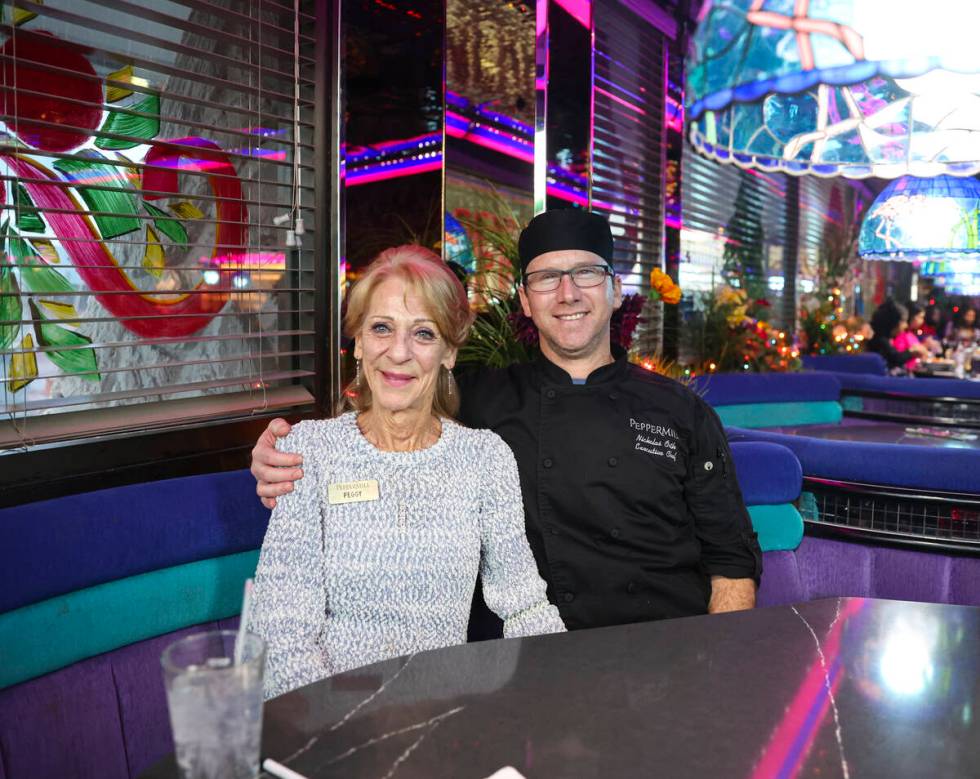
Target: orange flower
662,287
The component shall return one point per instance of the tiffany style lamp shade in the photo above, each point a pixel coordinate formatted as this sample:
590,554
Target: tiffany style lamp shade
916,219
852,88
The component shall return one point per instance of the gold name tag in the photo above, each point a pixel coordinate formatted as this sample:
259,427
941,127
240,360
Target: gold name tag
352,491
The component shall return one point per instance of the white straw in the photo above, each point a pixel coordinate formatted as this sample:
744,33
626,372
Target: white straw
278,769
246,612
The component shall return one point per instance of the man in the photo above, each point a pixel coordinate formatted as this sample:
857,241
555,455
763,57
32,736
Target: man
632,508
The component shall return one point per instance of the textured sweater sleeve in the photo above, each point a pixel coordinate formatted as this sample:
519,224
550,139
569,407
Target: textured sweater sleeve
289,597
512,586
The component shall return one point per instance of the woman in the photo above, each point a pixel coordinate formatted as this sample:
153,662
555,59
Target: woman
376,552
888,320
962,327
909,337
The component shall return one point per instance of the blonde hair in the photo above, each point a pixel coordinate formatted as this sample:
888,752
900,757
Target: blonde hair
443,297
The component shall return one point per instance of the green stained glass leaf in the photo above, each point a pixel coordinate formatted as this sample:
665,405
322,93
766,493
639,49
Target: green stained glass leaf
119,211
10,307
71,360
167,225
34,273
143,128
28,217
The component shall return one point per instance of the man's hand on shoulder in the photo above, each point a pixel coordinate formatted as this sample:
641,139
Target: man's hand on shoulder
274,471
731,594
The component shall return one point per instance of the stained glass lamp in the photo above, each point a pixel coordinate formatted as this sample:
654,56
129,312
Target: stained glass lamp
913,219
957,277
852,88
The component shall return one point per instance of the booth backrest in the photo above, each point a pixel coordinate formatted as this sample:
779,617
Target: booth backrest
865,362
909,385
926,468
85,574
92,587
770,478
772,399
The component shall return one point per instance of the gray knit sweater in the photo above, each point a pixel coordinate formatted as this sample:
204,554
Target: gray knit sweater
340,585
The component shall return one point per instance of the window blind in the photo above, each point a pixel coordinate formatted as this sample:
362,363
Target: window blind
629,139
154,157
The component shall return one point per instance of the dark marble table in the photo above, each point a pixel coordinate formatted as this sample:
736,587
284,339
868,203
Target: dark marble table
833,688
882,432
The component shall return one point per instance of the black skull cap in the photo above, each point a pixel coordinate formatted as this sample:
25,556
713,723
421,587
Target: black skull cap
565,228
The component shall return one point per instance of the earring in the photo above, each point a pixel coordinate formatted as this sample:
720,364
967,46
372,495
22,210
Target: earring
357,375
450,381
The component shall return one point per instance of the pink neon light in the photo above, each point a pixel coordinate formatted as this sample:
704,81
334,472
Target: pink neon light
620,100
571,197
581,11
394,173
490,143
814,686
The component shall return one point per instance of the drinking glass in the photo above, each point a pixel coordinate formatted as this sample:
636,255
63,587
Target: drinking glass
215,705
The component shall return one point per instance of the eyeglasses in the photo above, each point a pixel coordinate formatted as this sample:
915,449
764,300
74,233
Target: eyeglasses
583,277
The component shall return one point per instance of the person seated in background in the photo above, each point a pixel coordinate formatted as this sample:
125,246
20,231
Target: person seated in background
376,551
932,323
633,511
962,328
887,322
909,338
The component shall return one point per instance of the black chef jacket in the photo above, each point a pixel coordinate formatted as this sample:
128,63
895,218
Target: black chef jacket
630,497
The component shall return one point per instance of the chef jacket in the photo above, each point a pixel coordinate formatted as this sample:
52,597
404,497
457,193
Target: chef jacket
630,496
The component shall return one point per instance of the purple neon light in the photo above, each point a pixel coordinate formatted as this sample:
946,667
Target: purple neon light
620,100
580,10
410,167
459,127
462,103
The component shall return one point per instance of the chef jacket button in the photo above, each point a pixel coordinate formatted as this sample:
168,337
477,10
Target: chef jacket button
568,597
615,532
613,396
613,462
550,394
547,462
709,465
554,531
631,588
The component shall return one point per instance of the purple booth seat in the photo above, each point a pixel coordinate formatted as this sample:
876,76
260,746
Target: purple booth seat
825,568
101,718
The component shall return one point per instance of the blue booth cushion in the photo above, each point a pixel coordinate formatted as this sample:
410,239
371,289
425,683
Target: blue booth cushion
865,362
768,474
65,544
908,385
723,389
918,467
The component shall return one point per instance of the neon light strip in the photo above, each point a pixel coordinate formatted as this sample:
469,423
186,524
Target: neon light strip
580,10
459,127
620,100
460,102
381,172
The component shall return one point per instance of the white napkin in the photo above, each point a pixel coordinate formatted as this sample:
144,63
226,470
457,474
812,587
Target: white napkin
507,772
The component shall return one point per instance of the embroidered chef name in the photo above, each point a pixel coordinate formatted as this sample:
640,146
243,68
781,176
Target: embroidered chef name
353,491
657,440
